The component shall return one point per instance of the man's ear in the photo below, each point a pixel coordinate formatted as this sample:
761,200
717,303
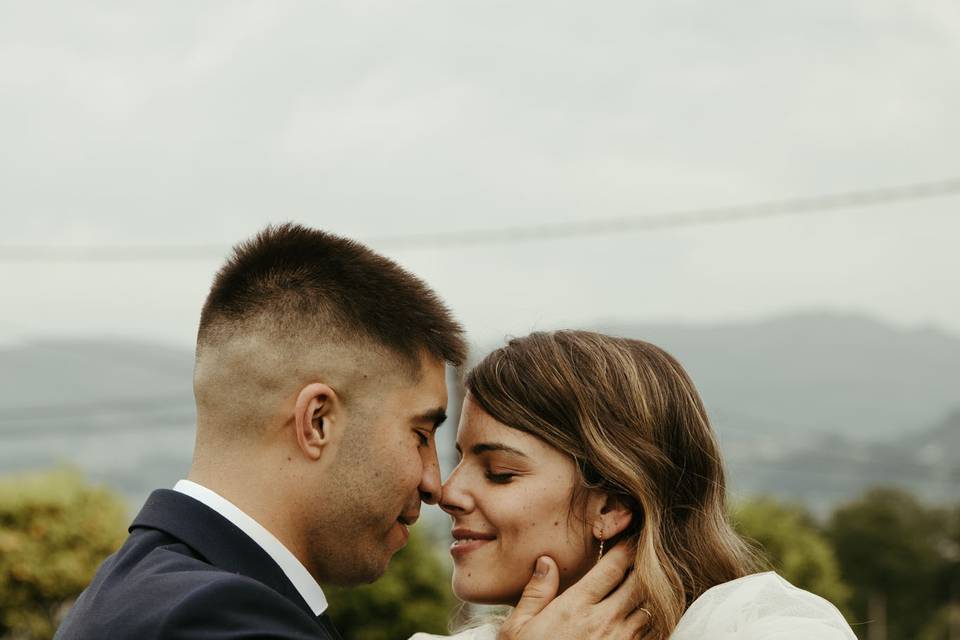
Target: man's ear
316,419
612,517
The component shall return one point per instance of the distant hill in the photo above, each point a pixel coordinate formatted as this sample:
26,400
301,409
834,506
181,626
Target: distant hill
834,469
121,411
802,374
70,371
809,407
938,446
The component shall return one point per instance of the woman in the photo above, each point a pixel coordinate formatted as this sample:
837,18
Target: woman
573,441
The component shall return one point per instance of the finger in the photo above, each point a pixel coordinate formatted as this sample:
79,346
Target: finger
606,575
625,598
538,593
639,619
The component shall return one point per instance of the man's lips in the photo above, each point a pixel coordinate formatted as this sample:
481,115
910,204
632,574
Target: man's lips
409,518
467,540
405,521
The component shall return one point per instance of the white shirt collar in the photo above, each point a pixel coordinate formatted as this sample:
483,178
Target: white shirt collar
308,588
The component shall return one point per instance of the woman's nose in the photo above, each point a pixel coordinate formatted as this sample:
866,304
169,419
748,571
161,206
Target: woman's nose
454,498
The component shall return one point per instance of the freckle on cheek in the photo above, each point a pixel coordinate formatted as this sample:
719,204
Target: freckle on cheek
556,524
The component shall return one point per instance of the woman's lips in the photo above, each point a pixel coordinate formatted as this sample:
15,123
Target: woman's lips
465,541
460,548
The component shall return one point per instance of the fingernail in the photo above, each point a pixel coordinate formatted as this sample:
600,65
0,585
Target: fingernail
542,568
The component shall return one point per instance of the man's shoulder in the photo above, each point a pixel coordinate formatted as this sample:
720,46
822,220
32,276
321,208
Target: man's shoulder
222,600
157,588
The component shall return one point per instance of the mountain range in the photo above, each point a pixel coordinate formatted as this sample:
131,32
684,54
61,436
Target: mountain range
809,407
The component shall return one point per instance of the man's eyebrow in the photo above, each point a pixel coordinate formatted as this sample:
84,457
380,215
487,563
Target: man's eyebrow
485,447
434,417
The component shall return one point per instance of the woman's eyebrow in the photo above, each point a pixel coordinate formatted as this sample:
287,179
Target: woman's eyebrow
485,447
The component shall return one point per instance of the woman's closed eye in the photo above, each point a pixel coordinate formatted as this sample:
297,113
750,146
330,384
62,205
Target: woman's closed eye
499,478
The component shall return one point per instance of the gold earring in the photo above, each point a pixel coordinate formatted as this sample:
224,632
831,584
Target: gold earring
600,555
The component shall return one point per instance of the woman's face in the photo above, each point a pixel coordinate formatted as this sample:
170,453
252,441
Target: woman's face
509,498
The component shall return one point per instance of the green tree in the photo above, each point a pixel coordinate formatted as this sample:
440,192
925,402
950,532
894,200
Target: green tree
54,531
414,595
946,622
795,547
945,625
891,552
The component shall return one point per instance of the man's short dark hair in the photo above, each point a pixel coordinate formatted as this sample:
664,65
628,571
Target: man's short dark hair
293,277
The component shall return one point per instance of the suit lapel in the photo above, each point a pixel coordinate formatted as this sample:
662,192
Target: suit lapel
327,624
216,539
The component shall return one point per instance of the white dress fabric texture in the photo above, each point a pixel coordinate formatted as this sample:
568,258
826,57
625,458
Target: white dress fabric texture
762,606
485,632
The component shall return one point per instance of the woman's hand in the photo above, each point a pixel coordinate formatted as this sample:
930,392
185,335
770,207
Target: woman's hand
600,605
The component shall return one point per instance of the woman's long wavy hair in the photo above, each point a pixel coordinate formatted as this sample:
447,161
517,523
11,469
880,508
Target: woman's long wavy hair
630,417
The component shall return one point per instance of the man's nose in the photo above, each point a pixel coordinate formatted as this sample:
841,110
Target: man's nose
430,481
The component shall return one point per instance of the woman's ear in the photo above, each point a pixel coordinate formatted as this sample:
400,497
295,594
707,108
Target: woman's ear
613,517
315,419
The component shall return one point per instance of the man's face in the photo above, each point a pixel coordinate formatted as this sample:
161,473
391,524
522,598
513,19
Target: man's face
386,465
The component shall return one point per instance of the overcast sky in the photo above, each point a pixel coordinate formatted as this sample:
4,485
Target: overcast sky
197,123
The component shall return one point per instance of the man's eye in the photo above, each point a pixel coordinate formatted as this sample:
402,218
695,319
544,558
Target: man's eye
500,478
424,439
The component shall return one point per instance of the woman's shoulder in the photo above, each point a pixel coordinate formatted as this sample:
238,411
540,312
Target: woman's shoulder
485,632
761,606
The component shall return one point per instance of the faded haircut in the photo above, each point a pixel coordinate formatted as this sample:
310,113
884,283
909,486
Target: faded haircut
310,285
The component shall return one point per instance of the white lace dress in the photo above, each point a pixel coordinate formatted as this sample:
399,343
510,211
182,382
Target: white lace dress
762,606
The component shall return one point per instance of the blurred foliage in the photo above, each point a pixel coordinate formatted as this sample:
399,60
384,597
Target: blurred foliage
896,551
944,623
55,529
414,595
794,545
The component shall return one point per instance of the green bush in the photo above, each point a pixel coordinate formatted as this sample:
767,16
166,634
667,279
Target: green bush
55,530
794,546
414,595
892,550
943,626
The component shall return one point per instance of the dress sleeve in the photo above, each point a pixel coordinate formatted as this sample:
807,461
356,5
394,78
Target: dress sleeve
484,632
762,607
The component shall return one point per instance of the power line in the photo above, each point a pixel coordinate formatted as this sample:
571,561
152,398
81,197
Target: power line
677,219
806,205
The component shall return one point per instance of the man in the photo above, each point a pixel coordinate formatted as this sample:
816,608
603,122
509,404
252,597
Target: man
319,383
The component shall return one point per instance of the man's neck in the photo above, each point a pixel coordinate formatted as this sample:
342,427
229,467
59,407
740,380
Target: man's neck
255,498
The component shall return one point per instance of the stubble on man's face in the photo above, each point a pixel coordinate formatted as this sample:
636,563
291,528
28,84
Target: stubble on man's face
374,480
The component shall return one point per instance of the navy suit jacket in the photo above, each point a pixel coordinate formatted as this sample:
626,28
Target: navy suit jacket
186,572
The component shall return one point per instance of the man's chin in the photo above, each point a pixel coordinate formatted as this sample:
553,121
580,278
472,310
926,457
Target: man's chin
359,574
368,562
